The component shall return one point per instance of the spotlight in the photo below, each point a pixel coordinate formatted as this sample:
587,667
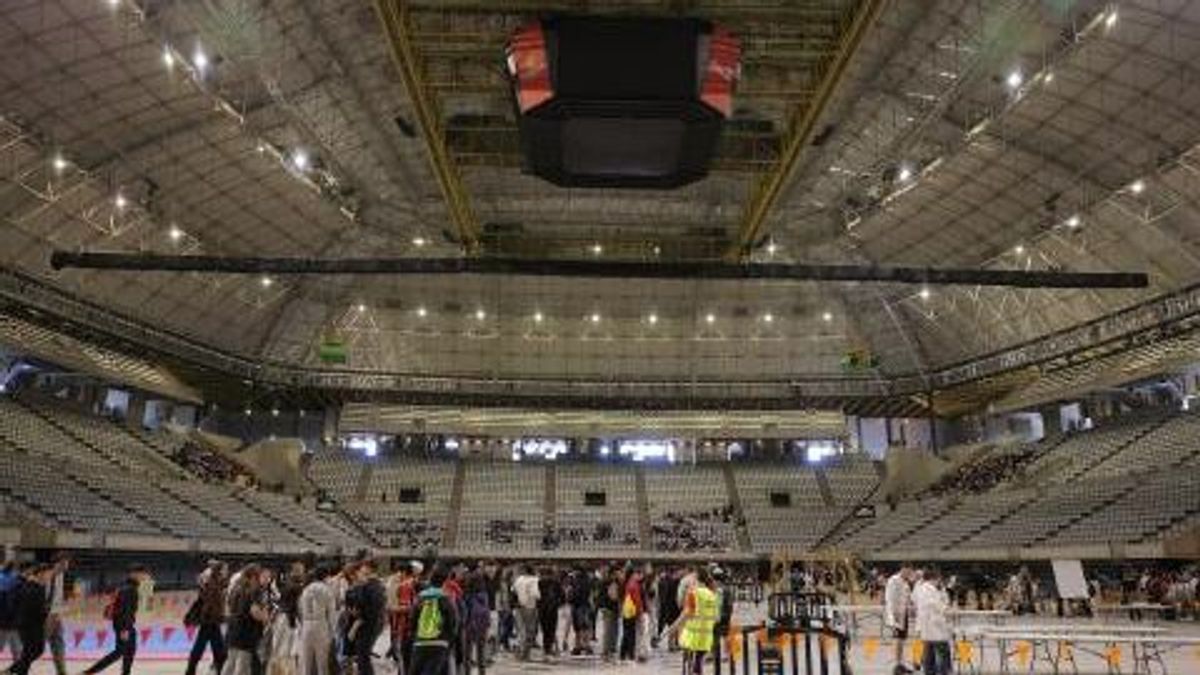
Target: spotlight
1073,222
200,60
924,293
59,163
1014,79
300,160
905,174
120,201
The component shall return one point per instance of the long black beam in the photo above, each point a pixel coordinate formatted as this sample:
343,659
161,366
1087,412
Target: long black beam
597,269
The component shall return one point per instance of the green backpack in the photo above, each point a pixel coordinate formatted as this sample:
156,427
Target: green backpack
429,620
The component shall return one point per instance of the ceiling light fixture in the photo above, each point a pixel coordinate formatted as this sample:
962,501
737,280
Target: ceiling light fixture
480,315
421,312
595,317
768,317
1137,187
1014,79
168,58
597,249
924,293
418,241
537,317
120,201
1073,222
827,317
59,163
710,318
652,319
1111,19
200,60
1019,250
905,174
175,233
300,159
361,308
772,247
266,282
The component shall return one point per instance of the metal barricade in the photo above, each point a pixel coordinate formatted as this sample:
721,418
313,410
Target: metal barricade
801,637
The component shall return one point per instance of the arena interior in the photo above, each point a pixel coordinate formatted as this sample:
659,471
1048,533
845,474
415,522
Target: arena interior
646,336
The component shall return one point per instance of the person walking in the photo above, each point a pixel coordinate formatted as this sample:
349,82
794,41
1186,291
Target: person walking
402,595
526,590
32,606
897,606
435,626
318,624
608,603
366,603
476,621
697,622
58,607
550,594
122,611
932,602
248,618
579,595
209,616
10,584
632,608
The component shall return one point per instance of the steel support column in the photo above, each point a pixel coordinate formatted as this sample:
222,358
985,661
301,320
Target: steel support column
800,129
393,14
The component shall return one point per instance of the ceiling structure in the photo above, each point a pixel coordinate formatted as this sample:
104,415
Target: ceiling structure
1017,134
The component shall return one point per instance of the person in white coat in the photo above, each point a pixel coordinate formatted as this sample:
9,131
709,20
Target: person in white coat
932,602
318,624
897,606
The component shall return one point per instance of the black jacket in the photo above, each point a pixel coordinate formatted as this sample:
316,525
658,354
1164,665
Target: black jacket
32,607
125,614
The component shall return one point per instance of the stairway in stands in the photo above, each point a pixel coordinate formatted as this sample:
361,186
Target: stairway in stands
450,529
823,487
550,498
735,500
363,484
643,509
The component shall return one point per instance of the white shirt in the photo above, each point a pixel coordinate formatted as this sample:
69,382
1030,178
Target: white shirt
317,606
932,603
897,601
526,589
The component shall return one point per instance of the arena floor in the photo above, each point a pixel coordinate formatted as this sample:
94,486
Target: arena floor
867,659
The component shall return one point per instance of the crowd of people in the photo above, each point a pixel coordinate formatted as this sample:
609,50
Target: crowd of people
313,618
599,533
695,531
981,475
210,466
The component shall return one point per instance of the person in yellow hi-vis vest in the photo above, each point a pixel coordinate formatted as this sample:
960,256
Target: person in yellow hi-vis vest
701,610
